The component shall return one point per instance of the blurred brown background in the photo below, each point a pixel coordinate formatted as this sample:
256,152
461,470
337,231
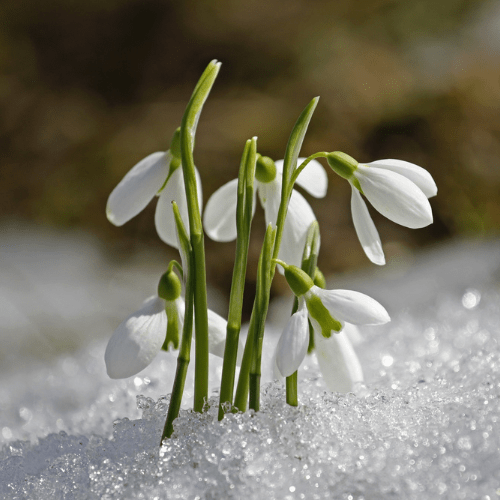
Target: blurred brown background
88,88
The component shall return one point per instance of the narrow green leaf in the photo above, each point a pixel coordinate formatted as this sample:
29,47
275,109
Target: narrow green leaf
244,221
183,237
198,98
295,141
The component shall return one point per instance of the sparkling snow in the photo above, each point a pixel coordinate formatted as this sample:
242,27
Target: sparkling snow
425,426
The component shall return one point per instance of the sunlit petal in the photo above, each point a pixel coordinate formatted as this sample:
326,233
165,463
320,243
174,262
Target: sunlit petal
353,334
352,307
217,326
395,196
418,175
338,362
270,197
164,215
292,345
366,230
137,188
313,178
219,218
279,167
297,222
137,340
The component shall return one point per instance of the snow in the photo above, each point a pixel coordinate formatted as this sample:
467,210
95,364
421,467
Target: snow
425,425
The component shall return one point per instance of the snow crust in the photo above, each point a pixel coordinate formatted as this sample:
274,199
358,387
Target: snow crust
425,425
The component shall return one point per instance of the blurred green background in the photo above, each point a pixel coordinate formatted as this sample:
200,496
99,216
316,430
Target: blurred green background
88,88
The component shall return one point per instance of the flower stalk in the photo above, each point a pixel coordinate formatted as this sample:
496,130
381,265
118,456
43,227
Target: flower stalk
309,265
243,222
187,134
268,266
398,190
187,331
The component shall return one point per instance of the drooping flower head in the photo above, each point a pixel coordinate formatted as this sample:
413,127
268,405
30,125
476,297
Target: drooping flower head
328,311
156,326
220,211
397,189
158,174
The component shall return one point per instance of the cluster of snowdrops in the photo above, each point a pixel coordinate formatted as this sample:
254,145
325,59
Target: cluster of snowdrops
397,189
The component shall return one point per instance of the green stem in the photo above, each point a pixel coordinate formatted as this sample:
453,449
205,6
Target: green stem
241,395
187,132
291,390
259,313
304,164
289,163
261,306
243,221
309,263
187,333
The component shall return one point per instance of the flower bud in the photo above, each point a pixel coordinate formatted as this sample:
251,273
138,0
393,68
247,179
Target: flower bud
169,286
265,169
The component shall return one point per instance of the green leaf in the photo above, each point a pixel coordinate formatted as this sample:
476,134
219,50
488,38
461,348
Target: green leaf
182,235
200,95
295,141
311,249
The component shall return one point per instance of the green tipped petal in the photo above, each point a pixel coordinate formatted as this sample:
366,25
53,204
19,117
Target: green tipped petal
319,313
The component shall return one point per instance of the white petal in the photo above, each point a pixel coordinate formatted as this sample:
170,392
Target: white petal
270,197
299,217
313,178
199,189
395,196
365,229
418,175
353,334
137,340
164,215
137,188
279,167
276,374
338,362
297,222
352,307
292,345
217,326
219,219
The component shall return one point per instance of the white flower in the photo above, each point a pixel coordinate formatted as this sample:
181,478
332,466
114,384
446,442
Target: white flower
140,337
398,190
336,357
139,186
220,210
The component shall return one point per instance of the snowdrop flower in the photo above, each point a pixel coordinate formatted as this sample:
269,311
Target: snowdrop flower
158,174
156,326
397,189
220,211
328,311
